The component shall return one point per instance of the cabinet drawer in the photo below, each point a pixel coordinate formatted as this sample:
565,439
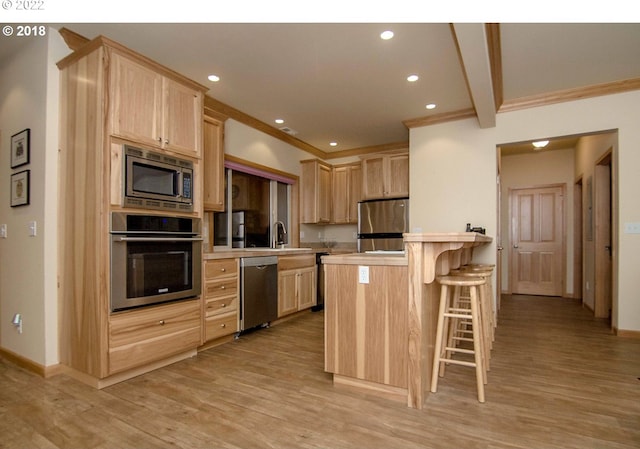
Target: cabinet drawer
223,287
146,335
295,262
223,305
221,325
217,268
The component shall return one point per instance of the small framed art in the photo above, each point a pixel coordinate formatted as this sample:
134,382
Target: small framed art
20,188
20,148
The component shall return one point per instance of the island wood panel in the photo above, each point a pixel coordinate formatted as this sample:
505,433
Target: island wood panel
367,324
84,249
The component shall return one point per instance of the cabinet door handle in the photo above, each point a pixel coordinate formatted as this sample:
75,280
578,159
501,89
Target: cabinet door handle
223,325
223,269
159,139
161,322
223,305
222,287
166,141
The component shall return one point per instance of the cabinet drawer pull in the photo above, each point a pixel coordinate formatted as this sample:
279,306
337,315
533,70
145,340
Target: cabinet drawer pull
222,287
161,323
223,325
223,269
223,305
159,139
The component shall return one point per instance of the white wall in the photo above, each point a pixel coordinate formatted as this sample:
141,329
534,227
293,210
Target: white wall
533,170
29,92
453,175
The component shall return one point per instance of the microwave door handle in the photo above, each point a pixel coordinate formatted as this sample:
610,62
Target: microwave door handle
159,239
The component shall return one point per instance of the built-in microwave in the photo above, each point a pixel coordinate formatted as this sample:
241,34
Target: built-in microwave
157,181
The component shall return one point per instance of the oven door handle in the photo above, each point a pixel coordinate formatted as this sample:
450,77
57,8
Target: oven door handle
159,239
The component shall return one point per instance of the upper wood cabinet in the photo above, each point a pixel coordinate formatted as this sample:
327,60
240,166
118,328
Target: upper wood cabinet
315,192
213,165
385,176
154,109
347,191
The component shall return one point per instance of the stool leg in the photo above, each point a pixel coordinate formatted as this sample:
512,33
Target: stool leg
478,343
438,348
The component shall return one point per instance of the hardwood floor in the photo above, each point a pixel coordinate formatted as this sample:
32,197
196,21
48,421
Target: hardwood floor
558,379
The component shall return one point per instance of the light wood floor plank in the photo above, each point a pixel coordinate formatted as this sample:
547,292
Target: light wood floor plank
558,379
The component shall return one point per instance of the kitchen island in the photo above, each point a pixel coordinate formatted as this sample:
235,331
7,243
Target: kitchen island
381,313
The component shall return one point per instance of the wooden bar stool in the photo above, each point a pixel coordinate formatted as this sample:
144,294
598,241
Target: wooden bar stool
444,353
484,306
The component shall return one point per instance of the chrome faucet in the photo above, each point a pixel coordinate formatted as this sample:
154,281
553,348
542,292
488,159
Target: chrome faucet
280,236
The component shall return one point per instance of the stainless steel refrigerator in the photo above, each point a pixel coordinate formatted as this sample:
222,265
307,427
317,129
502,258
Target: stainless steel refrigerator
381,224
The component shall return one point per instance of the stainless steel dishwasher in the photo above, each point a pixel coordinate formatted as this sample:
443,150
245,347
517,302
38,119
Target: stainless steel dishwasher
258,291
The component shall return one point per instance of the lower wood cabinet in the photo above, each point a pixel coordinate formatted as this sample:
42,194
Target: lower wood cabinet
366,325
221,297
145,335
296,283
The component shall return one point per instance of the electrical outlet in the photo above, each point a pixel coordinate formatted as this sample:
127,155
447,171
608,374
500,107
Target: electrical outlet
363,275
3,231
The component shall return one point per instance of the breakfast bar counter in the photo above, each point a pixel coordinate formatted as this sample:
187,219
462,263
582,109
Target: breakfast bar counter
381,313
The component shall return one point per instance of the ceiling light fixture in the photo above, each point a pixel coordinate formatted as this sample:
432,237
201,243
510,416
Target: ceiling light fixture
540,144
386,35
214,78
333,144
431,106
279,121
412,78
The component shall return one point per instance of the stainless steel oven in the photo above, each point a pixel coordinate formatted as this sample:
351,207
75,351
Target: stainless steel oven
154,259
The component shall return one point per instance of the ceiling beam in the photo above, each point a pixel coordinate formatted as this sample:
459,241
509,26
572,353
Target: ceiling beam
475,57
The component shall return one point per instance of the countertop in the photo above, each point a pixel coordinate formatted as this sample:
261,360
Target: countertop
373,258
256,252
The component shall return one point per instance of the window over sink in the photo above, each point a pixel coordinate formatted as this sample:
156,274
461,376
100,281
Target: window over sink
257,209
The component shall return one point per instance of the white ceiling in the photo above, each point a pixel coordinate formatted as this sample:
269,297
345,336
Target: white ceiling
341,82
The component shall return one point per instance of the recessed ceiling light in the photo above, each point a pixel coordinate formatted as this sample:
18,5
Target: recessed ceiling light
431,106
412,78
386,35
279,121
214,78
540,144
333,144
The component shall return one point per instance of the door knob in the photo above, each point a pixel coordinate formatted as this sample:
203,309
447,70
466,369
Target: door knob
515,246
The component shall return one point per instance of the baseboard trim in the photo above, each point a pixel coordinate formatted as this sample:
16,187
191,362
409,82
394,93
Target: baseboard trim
125,375
30,365
626,333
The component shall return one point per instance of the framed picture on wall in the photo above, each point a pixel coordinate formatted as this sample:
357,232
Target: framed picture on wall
20,188
20,148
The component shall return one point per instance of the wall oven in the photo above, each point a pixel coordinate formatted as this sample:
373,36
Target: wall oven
154,259
157,181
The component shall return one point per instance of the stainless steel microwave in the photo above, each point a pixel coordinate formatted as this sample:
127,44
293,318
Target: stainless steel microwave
157,181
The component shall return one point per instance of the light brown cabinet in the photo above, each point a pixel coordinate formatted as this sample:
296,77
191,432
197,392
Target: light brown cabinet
213,165
153,109
366,325
385,176
145,335
143,98
315,192
221,297
296,283
347,191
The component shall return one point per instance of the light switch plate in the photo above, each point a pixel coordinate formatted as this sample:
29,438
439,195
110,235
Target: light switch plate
363,274
632,228
33,229
3,231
